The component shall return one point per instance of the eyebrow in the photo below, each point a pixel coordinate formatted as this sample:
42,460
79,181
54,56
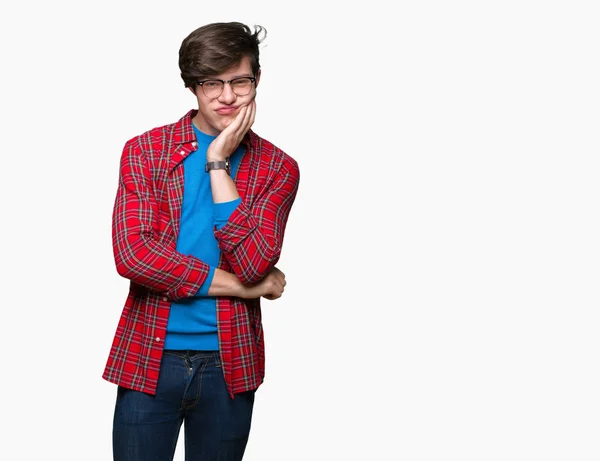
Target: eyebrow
232,78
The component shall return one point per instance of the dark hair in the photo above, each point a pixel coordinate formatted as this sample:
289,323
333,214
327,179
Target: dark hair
214,48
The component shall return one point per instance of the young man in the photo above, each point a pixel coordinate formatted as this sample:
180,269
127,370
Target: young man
198,226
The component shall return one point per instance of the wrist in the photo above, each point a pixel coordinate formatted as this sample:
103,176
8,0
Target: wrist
237,288
213,155
226,284
218,165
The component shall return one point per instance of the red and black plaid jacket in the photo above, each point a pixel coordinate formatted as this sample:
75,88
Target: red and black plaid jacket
146,219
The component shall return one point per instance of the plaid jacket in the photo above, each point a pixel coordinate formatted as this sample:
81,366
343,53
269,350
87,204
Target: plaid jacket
146,220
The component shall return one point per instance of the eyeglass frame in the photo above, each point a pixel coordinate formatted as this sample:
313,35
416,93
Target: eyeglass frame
223,82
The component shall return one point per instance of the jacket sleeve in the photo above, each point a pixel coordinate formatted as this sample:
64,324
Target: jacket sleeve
139,254
251,241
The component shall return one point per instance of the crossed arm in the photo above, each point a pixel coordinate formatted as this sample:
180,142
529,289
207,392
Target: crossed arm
252,238
251,242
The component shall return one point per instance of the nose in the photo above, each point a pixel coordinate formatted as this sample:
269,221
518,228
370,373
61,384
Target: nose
227,95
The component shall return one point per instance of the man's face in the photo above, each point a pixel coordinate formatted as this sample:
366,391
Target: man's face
216,113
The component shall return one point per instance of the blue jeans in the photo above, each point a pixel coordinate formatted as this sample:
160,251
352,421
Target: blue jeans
191,389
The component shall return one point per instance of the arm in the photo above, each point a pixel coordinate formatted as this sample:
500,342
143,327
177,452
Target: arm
251,240
139,255
227,284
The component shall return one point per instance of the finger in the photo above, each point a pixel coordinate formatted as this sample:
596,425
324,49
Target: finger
249,119
246,122
238,122
279,282
277,286
252,113
235,124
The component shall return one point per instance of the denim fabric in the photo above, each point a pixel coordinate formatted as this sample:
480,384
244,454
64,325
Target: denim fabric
191,390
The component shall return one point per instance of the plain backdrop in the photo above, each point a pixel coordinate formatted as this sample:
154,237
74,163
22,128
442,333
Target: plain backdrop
442,255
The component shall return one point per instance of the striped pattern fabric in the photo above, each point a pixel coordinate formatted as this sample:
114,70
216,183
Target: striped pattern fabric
146,217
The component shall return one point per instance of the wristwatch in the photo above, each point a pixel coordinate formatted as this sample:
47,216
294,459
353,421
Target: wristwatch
222,165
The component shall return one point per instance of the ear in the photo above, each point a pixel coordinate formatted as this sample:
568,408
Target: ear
257,79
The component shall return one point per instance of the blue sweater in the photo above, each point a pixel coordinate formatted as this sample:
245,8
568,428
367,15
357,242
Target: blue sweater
193,321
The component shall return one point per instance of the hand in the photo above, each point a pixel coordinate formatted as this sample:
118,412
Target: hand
271,287
229,139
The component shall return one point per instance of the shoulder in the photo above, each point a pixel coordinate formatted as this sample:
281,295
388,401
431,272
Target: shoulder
272,155
152,142
162,140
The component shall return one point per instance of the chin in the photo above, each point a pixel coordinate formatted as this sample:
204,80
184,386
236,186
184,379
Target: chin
225,122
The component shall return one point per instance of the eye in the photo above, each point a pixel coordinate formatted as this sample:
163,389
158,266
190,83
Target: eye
241,81
209,84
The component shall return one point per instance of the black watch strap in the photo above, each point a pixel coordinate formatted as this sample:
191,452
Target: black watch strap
222,165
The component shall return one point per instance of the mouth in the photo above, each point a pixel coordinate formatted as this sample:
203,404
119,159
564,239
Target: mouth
227,110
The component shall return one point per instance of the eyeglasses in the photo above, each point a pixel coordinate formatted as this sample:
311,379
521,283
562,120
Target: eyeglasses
241,86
